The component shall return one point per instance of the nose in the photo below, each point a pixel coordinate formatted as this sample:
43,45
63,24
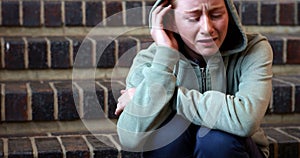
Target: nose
206,27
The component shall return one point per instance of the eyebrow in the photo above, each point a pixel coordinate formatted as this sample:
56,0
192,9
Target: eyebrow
195,10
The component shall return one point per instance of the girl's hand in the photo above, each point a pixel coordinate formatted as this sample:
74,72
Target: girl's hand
160,35
124,99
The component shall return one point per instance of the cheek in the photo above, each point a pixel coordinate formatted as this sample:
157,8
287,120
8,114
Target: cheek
222,28
186,30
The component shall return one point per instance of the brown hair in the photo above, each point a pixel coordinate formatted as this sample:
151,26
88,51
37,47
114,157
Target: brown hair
173,3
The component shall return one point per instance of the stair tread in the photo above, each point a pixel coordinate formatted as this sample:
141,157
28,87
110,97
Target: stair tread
283,139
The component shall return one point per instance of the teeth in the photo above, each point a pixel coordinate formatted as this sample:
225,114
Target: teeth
206,40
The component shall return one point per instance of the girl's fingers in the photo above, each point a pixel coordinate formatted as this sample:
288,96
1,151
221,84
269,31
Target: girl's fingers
158,14
119,109
123,91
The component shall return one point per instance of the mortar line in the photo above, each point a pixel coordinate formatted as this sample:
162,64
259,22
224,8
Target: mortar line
287,134
55,101
117,145
277,13
275,146
3,102
83,6
259,12
94,43
5,147
80,100
104,13
48,52
34,147
29,102
26,55
124,13
21,21
62,147
144,12
63,18
105,97
42,15
70,51
296,14
91,149
3,51
284,55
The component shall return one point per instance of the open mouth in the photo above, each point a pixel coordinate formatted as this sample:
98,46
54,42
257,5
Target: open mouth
207,41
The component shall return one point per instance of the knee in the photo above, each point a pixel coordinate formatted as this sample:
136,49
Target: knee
219,144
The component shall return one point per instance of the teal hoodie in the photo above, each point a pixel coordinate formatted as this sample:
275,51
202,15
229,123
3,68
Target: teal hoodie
167,82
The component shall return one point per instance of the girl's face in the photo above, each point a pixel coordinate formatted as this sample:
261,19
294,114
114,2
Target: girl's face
202,24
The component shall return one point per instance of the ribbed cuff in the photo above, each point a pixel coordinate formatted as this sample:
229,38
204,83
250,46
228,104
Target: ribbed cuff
165,58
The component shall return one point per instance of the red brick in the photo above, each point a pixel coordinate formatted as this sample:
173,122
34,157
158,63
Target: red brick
127,51
249,13
16,102
105,52
287,14
149,5
32,13
37,53
19,147
75,147
73,13
10,13
295,80
53,13
42,100
102,149
293,51
114,15
67,109
268,13
277,45
114,89
60,53
145,41
94,13
282,103
82,52
287,146
1,149
298,5
134,13
93,100
48,147
14,49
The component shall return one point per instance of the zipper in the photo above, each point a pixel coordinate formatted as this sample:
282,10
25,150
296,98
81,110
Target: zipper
203,79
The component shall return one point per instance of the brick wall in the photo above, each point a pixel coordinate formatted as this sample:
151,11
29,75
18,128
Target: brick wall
40,44
35,38
35,13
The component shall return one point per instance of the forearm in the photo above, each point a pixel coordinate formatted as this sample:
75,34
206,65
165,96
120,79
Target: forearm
153,78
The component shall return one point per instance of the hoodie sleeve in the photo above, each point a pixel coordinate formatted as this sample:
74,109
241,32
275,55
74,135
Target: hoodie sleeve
239,114
152,76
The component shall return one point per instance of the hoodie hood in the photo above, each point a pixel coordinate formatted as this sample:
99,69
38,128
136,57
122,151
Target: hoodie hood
236,39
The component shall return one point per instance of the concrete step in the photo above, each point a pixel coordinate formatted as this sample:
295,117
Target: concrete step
60,100
73,139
